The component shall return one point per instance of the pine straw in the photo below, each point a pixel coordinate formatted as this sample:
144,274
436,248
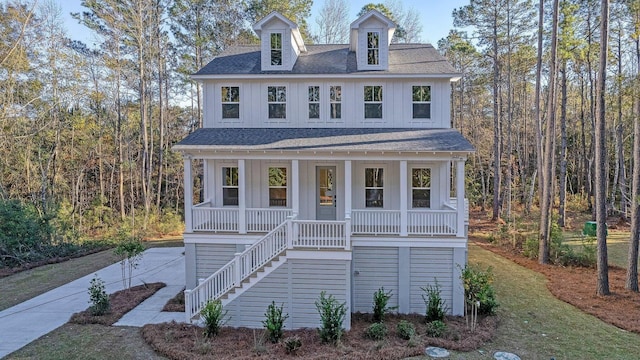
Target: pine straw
121,302
176,303
184,341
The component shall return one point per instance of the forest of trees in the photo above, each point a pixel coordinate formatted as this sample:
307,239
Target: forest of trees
86,132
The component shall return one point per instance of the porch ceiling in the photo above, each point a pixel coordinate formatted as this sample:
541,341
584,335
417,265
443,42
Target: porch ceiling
325,140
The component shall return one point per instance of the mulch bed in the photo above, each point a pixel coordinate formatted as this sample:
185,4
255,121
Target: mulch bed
176,303
184,341
121,302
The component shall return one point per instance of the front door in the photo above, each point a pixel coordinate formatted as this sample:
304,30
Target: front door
326,193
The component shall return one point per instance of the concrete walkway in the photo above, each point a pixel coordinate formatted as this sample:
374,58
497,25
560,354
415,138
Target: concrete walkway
25,322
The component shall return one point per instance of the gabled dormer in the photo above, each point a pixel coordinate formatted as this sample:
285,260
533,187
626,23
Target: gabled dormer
280,42
370,37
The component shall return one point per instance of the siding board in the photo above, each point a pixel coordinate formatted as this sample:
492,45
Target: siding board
428,264
377,267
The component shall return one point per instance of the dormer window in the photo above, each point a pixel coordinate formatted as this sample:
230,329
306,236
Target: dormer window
373,48
276,49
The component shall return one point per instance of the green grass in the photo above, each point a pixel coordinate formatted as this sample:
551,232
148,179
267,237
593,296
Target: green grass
617,245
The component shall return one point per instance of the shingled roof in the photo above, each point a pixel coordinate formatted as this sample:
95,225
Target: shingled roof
422,59
326,139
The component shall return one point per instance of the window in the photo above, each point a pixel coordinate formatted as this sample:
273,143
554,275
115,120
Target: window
277,186
373,187
422,102
314,102
335,101
373,102
230,186
277,99
230,102
421,188
373,48
276,49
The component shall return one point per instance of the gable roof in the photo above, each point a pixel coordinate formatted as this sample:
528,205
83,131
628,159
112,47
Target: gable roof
373,13
409,59
326,140
257,27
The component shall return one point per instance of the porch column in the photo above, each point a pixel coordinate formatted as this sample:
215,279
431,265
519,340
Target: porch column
210,181
295,187
242,206
460,197
188,195
347,189
404,195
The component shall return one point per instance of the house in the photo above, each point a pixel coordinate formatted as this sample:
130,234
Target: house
325,168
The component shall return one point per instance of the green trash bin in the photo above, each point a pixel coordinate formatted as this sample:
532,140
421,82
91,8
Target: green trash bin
590,228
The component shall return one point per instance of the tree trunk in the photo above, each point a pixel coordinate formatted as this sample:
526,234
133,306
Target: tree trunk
497,156
562,179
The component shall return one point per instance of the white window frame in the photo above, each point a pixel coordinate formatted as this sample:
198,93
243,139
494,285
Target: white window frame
317,102
269,187
335,102
225,186
429,188
382,188
224,102
277,102
272,49
375,50
373,101
421,102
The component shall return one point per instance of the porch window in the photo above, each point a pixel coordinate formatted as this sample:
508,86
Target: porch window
373,48
314,102
421,187
422,102
277,99
230,186
230,102
373,187
373,102
277,186
335,101
276,49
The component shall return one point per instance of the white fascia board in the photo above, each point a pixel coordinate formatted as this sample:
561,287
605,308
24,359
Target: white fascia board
425,242
368,75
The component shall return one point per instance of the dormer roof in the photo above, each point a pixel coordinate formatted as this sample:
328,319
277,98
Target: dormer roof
275,16
371,14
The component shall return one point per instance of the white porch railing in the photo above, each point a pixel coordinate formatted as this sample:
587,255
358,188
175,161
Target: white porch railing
375,221
207,218
316,234
453,203
264,220
433,222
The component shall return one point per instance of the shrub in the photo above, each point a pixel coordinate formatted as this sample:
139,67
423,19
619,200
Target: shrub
130,250
376,331
478,288
214,317
436,328
292,344
405,329
98,297
380,302
530,247
436,307
332,314
274,321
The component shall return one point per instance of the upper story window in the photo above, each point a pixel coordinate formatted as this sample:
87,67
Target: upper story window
230,102
276,49
314,102
277,99
277,186
373,102
335,101
373,48
421,102
229,186
373,187
421,187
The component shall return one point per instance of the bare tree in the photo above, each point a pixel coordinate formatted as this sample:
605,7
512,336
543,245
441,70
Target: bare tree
333,23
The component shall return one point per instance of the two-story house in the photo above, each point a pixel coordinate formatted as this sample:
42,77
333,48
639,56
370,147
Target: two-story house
326,168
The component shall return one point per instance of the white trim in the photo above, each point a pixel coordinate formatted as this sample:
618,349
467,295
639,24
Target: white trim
364,188
295,187
265,174
404,195
202,152
242,197
266,103
318,255
364,75
229,239
421,242
188,194
348,191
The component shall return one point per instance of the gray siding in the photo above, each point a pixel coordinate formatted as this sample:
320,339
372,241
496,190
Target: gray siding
211,257
428,264
376,267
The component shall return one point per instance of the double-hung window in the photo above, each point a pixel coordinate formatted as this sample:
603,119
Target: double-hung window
277,100
373,102
230,102
421,102
335,101
276,48
374,187
229,186
373,48
314,102
421,187
277,186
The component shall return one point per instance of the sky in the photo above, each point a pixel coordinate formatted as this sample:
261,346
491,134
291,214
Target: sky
435,16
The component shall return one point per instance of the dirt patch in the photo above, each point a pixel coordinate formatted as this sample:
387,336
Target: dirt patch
183,341
121,302
176,303
577,286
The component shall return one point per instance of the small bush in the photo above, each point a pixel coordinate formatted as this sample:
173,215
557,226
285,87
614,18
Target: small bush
376,331
98,297
214,317
380,304
274,322
332,314
530,247
478,287
292,344
436,328
405,329
130,250
436,307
